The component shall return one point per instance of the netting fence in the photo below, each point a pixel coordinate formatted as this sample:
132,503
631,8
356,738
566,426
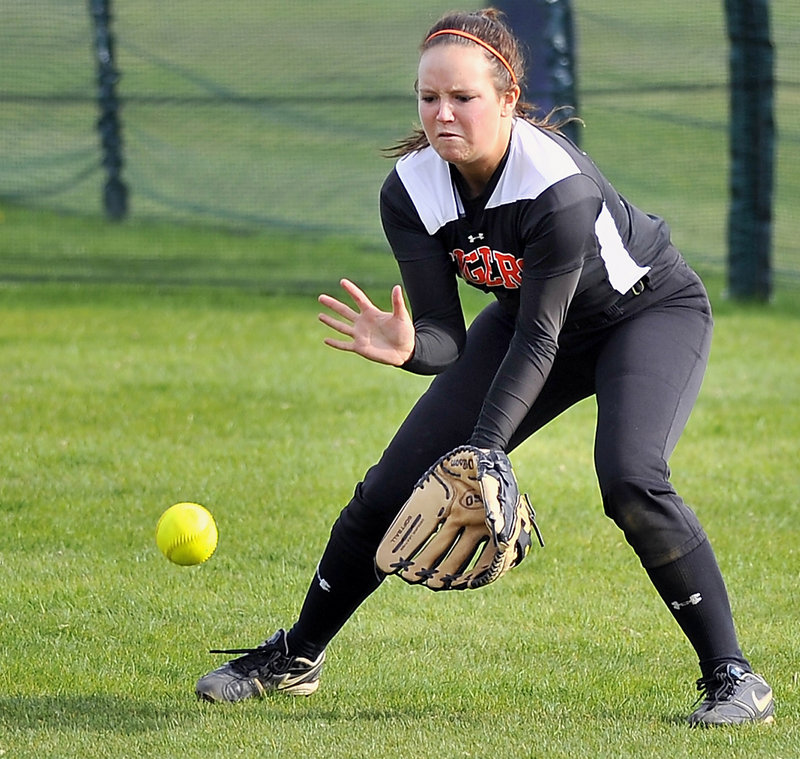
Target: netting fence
265,114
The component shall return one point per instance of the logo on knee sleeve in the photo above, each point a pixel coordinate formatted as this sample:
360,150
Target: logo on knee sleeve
693,600
323,583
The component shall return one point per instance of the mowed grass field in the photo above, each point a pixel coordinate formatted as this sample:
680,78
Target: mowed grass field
167,364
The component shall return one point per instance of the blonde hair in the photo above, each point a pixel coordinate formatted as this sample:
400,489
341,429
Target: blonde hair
503,51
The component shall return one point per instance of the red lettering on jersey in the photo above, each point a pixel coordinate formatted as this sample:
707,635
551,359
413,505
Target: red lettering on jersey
487,256
466,265
491,268
469,270
510,269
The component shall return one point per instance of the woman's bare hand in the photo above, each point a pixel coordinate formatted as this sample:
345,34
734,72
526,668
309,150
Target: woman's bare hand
381,336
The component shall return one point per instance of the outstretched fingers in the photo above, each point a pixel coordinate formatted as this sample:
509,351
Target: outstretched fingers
344,328
399,310
337,307
385,337
357,294
362,302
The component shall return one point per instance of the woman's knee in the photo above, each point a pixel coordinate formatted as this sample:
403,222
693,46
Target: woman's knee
656,522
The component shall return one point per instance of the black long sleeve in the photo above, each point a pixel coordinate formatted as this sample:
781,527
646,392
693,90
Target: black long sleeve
563,241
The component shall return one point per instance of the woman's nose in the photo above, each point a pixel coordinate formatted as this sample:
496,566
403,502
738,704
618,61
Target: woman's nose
445,112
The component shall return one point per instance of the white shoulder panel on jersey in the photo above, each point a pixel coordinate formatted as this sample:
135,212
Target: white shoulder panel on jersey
426,178
535,162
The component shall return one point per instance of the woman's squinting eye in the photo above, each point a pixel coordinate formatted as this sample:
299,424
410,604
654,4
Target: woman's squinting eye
458,98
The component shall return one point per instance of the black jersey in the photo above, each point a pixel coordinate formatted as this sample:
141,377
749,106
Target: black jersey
549,237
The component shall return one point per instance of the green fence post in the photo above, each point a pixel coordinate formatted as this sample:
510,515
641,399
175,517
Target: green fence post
115,192
752,146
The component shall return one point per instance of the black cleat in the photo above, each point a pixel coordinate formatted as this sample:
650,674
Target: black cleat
732,696
269,667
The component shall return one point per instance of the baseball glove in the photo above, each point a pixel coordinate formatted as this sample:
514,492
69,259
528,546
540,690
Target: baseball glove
464,526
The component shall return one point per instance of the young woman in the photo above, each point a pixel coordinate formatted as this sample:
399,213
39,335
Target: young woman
590,298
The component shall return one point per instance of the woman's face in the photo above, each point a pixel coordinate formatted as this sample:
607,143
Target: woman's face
466,122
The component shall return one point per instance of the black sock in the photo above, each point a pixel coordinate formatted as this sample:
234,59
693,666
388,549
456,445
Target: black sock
694,591
339,587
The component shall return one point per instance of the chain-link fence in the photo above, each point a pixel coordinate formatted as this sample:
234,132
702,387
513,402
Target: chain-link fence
264,114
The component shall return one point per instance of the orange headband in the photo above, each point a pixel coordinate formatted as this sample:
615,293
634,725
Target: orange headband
485,45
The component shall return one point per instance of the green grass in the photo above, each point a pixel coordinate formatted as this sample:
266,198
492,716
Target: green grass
127,389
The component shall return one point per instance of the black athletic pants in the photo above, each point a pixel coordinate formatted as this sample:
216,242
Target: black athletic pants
644,362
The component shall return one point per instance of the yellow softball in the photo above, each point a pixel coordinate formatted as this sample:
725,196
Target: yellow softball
186,534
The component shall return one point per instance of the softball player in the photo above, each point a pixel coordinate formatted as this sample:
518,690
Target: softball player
590,298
